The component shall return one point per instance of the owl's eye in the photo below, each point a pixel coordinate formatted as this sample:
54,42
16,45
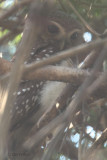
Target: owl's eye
74,36
53,29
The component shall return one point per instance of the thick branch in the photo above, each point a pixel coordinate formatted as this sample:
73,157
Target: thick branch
29,37
58,73
79,51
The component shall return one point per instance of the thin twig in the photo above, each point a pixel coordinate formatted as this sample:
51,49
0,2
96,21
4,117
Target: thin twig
82,20
51,147
93,5
80,146
100,102
91,151
14,9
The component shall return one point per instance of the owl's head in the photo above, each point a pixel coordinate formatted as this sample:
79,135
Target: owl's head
61,29
57,31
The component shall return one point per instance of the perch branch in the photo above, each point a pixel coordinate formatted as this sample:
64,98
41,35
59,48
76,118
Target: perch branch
81,50
58,73
76,51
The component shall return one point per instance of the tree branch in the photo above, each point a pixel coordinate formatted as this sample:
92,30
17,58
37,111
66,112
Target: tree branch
82,20
14,9
93,150
79,51
58,73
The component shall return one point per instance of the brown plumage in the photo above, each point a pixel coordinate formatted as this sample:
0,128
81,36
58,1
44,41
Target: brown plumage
60,32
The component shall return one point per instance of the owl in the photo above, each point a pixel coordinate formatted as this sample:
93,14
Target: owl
60,33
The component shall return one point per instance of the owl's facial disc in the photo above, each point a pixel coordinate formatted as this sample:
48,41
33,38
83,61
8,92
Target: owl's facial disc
54,32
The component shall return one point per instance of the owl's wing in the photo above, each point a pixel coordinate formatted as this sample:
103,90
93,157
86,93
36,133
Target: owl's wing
27,96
